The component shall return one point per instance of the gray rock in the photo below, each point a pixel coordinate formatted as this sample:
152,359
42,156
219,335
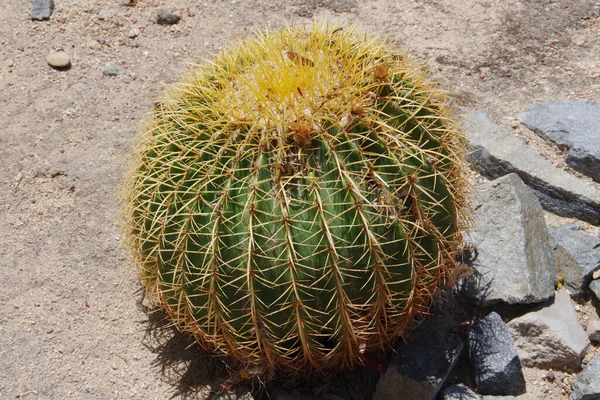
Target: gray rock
515,263
551,337
339,5
572,125
593,330
495,153
41,9
104,15
59,60
112,69
420,367
587,384
595,288
577,256
133,33
494,357
459,392
165,17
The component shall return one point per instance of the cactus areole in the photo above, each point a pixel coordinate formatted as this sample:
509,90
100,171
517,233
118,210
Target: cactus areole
298,200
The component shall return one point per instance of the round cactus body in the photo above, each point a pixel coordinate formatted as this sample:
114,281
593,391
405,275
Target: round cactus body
298,200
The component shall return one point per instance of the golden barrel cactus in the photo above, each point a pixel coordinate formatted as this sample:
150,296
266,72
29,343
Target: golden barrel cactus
298,200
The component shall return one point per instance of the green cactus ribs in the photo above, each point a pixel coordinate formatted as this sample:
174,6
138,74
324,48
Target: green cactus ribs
298,200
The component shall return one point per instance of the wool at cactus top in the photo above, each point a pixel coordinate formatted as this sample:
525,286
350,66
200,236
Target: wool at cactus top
298,200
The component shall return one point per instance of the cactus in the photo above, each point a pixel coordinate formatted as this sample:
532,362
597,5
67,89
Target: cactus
298,200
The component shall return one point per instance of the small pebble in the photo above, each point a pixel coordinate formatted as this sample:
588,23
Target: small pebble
104,15
59,60
165,17
133,33
550,376
112,69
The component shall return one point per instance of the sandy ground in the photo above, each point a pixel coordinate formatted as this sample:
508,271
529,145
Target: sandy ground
71,321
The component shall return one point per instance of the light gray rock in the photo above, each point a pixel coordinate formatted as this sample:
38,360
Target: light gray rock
494,357
577,256
572,125
41,9
133,33
515,263
104,15
165,17
112,69
59,60
587,384
551,337
459,392
495,153
420,367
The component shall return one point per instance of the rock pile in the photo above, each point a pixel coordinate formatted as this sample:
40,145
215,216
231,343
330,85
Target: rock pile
520,263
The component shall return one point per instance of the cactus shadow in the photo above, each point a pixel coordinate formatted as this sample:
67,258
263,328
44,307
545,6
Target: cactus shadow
192,372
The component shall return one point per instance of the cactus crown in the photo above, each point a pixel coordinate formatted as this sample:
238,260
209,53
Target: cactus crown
299,199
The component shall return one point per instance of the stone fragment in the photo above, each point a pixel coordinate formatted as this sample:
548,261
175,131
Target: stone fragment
165,17
459,392
587,384
133,33
573,125
420,367
515,263
112,69
577,256
104,15
551,337
59,60
495,153
41,9
595,288
496,364
593,330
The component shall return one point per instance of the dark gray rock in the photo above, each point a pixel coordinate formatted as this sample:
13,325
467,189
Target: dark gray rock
420,367
572,125
515,263
165,17
587,384
595,288
41,9
459,392
112,69
495,153
494,356
577,256
551,337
